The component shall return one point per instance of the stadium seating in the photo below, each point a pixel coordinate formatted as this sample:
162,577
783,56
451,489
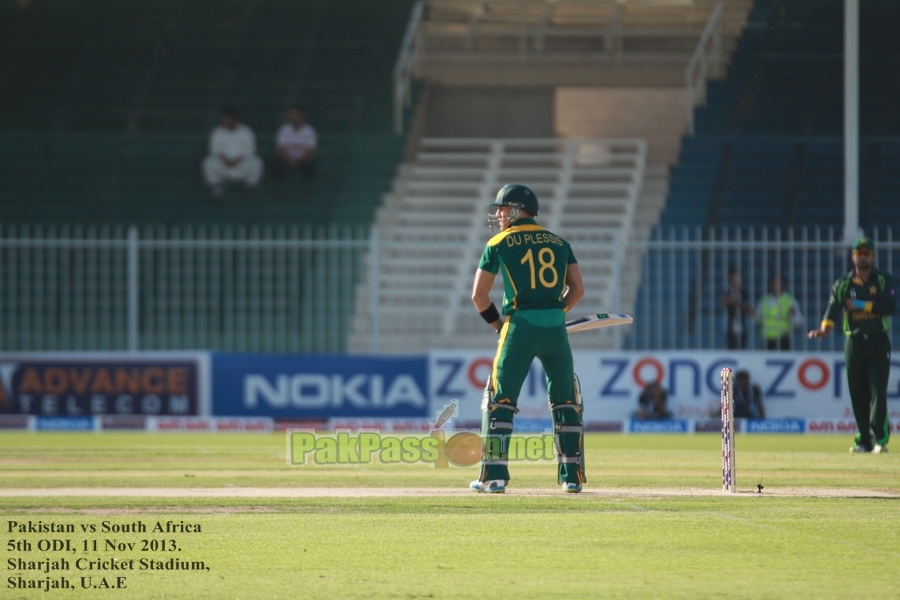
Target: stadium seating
106,106
768,153
769,134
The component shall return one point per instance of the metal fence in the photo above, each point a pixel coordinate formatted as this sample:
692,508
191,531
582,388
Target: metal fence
258,289
685,271
293,289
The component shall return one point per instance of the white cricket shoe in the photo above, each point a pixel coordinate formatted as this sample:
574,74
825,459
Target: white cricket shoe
879,449
493,486
571,488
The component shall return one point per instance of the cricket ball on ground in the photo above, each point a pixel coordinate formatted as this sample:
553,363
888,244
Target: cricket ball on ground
464,449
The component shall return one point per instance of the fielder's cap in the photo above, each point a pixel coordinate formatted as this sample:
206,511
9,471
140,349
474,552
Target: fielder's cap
516,193
864,241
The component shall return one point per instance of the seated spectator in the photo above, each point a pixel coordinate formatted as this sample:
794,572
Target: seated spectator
748,401
232,155
652,403
295,147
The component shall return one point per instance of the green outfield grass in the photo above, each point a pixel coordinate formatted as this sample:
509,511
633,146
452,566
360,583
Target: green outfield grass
651,522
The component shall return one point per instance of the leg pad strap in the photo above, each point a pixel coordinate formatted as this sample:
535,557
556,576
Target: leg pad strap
496,429
568,433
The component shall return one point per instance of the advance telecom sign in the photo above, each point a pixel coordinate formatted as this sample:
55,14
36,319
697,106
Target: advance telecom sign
79,384
319,386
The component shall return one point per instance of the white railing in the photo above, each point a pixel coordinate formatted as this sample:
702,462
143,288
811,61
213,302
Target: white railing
706,61
542,30
684,275
295,290
274,289
593,32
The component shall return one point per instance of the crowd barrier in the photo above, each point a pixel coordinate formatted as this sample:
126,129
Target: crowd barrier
200,391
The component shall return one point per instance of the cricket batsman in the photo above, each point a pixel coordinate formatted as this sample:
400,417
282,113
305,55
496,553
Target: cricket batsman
541,282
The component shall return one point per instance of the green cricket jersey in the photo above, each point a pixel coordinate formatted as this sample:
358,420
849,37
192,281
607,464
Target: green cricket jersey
877,292
533,261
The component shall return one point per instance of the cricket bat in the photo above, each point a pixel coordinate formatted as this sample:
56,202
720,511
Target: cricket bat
597,321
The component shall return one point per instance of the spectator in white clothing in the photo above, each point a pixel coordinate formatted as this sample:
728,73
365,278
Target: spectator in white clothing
295,147
232,155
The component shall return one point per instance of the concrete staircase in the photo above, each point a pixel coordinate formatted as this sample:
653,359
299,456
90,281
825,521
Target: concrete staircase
599,194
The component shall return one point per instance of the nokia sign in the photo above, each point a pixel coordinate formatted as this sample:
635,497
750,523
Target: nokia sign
315,390
319,386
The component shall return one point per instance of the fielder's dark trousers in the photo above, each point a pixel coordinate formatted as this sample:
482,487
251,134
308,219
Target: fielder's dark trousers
280,169
868,366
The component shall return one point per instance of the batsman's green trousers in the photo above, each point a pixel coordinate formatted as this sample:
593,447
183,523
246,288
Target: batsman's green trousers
527,335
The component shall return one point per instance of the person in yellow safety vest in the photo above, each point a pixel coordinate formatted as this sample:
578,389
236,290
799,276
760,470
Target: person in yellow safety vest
778,313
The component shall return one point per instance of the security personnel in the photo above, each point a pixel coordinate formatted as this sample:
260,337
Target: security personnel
541,282
866,294
777,313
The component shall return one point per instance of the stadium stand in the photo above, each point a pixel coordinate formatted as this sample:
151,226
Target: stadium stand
766,149
767,152
105,107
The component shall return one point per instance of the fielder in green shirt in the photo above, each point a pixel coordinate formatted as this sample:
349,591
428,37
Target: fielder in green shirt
541,282
866,297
